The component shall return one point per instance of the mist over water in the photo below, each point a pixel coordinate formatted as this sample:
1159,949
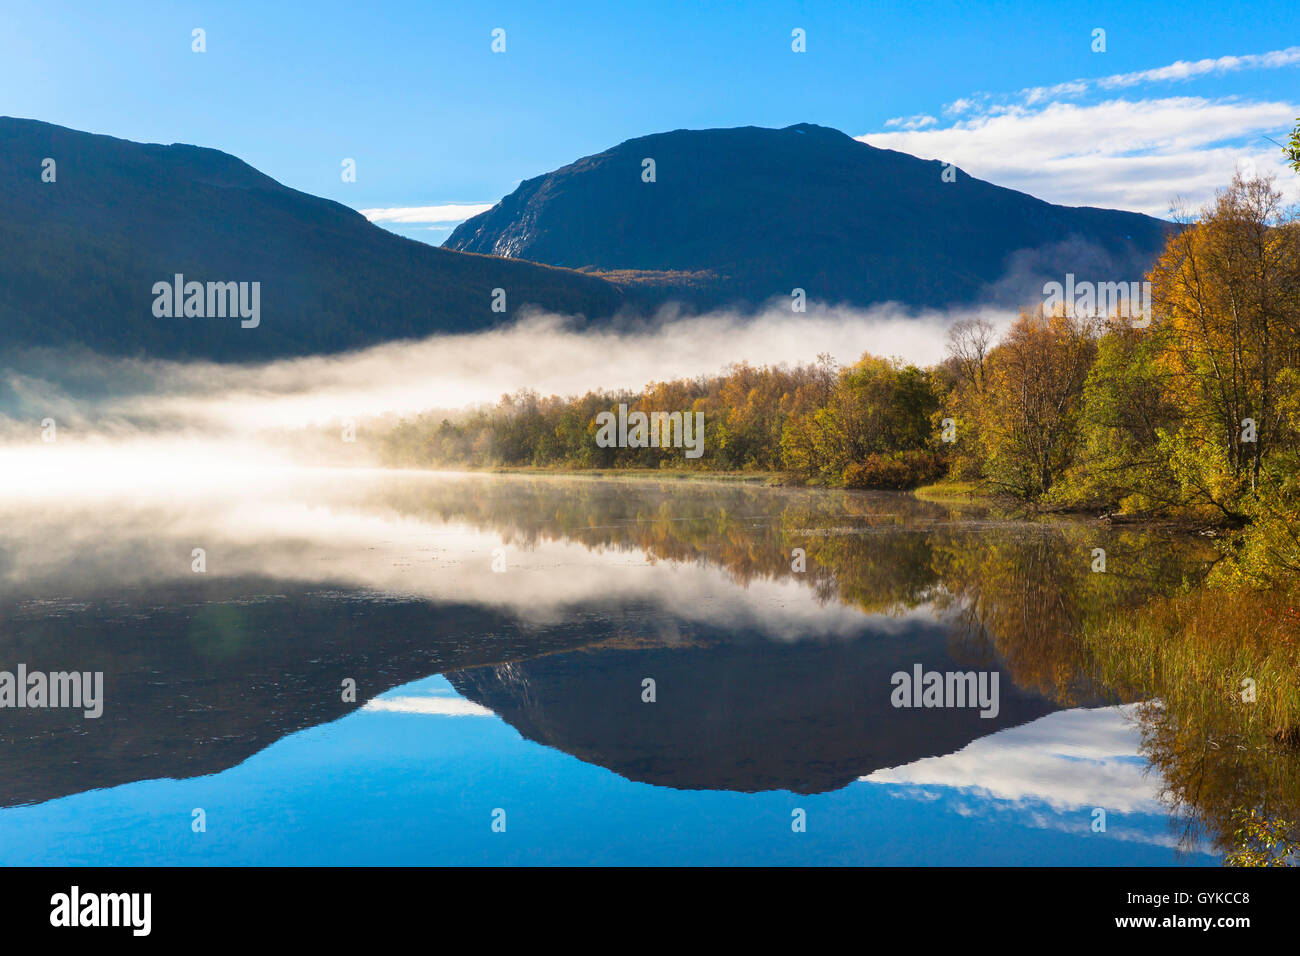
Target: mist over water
202,415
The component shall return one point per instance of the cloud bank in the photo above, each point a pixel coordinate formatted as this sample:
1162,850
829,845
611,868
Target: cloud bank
1144,154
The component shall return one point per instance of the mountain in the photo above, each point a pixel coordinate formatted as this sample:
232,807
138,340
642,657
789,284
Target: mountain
254,656
733,216
736,714
80,255
750,213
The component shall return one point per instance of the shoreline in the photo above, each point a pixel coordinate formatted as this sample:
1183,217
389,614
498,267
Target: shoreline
939,492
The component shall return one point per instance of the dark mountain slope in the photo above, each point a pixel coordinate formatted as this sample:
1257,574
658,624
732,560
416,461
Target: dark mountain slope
735,714
765,211
79,257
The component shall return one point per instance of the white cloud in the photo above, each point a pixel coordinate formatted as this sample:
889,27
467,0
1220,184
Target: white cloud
1138,153
1128,154
919,121
449,212
434,705
1069,760
1181,70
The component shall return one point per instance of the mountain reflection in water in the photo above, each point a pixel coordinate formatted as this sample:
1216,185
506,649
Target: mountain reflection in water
767,678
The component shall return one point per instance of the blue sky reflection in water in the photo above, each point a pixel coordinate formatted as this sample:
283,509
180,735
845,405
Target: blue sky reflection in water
417,784
522,690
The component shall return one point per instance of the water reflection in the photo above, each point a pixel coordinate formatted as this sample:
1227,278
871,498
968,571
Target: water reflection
740,715
767,677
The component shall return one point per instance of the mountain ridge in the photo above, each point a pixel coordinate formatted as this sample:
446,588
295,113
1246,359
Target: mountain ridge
806,206
79,257
734,217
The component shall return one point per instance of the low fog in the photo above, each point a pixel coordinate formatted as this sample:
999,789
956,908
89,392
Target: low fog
94,399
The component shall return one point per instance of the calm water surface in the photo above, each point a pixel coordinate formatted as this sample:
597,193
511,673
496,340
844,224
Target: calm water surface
499,631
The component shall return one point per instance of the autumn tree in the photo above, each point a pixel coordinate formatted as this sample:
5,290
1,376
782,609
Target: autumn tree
877,407
1228,288
968,345
1026,418
960,381
1127,410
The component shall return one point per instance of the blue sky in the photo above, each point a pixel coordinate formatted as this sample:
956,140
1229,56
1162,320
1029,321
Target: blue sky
413,779
413,92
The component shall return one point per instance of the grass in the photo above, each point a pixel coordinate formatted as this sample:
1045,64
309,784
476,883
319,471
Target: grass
1197,649
952,491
